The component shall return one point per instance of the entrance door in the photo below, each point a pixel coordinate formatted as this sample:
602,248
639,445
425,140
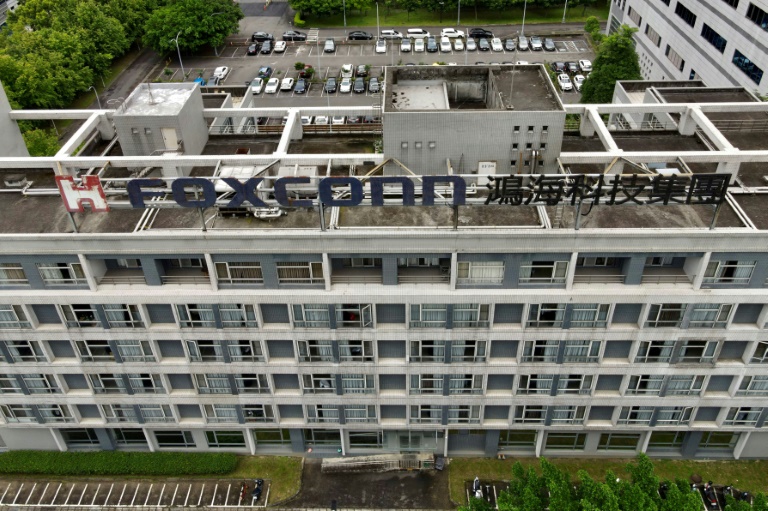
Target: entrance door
170,139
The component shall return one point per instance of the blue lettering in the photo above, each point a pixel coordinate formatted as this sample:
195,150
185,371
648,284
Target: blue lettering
281,194
136,195
245,192
180,196
326,191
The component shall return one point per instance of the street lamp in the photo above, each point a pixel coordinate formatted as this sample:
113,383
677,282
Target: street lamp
522,29
178,51
564,9
344,6
458,18
378,28
97,95
441,12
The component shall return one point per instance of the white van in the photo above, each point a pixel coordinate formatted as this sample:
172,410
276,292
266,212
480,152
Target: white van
391,34
418,33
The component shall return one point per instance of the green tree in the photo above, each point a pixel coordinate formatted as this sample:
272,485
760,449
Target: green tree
642,475
594,495
592,25
681,498
409,6
561,495
199,23
41,142
616,60
132,14
760,502
476,504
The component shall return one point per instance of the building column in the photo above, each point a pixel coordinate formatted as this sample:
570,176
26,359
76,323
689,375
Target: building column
327,271
454,269
539,442
646,441
344,441
212,272
150,438
60,443
250,442
742,442
571,271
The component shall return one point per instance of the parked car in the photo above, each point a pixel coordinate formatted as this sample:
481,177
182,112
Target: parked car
346,70
266,47
536,43
391,34
578,81
431,45
300,87
272,85
260,37
257,85
294,35
417,33
585,66
265,72
559,67
359,35
374,85
405,46
573,67
451,32
522,43
510,44
445,45
418,45
521,63
381,46
353,119
330,46
362,70
483,45
221,72
346,85
549,44
321,119
280,47
306,119
369,119
286,84
253,49
359,86
478,33
458,44
338,119
471,45
564,82
496,44
330,85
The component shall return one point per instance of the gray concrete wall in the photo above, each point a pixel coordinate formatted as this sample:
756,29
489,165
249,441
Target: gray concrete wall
11,142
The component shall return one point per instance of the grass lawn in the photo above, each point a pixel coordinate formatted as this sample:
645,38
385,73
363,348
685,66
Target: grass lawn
746,475
283,471
483,17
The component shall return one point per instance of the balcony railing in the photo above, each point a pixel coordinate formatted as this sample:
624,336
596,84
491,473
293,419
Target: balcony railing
356,276
598,279
665,276
185,279
428,275
123,277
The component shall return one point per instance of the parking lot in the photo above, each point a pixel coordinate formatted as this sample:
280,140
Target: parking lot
211,493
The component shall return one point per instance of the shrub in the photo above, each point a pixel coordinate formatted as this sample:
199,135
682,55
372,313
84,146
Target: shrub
297,21
116,463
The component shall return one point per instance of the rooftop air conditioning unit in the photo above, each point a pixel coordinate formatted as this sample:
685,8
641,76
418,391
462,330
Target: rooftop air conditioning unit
15,181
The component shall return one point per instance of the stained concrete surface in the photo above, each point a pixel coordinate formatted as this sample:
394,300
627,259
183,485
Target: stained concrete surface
426,489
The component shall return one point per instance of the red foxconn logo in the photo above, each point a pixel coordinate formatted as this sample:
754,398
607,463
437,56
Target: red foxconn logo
89,192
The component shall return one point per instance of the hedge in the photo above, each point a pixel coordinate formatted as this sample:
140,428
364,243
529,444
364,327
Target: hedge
297,21
116,463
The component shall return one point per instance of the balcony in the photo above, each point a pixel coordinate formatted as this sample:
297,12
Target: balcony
598,276
424,275
123,277
356,276
665,276
186,276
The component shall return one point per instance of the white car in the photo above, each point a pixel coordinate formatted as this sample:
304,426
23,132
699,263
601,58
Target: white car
458,45
496,44
306,119
347,70
272,85
445,45
451,32
381,46
578,81
257,85
585,66
564,82
471,44
346,85
280,47
338,119
321,119
418,45
221,72
286,84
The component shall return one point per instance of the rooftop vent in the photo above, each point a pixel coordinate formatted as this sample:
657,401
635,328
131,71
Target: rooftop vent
15,181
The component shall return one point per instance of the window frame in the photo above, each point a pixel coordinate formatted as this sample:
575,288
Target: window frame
433,415
188,315
214,413
7,278
480,315
425,345
660,315
537,315
748,382
571,415
417,384
85,350
35,349
247,315
80,316
131,313
322,413
300,310
75,270
468,268
723,271
318,383
233,272
311,350
116,413
558,272
642,385
635,415
187,440
723,312
643,352
600,315
464,414
348,349
204,383
419,310
145,347
18,317
743,416
204,350
368,383
258,413
525,381
708,351
314,272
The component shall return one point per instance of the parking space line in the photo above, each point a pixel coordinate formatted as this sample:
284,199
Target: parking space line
31,492
226,499
82,495
69,494
215,489
148,493
54,495
174,495
161,496
43,494
135,493
17,494
200,500
96,494
109,494
188,492
120,500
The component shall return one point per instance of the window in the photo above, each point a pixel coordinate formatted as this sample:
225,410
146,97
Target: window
465,384
674,58
753,386
156,413
318,383
426,414
760,356
713,38
758,16
685,385
300,273
747,67
546,315
9,384
582,351
568,414
366,439
685,14
145,383
429,315
12,274
224,439
710,315
315,351
743,416
659,260
258,413
590,315
239,273
85,437
517,439
468,351
80,316
654,36
544,272
361,262
94,351
234,315
645,384
13,316
639,415
655,351
25,351
354,316
107,383
665,315
245,351
530,414
540,351
427,384
355,351
574,384
174,439
62,274
322,436
193,262
666,440
464,414
322,413
127,437
566,441
535,384
18,413
360,413
618,442
311,316
357,384
205,351
729,272
635,16
55,413
123,316
213,383
195,315
698,351
718,440
220,413
732,3
135,351
427,351
470,315
41,383
673,416
252,383
119,413
491,272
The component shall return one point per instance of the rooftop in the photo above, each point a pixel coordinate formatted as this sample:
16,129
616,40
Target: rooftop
157,99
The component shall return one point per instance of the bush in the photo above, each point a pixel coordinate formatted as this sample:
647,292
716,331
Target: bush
116,463
297,21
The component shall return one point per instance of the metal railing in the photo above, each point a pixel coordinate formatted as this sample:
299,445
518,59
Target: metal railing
599,279
185,279
423,279
665,279
356,279
123,280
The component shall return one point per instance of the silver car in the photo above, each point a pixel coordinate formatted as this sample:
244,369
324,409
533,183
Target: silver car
522,43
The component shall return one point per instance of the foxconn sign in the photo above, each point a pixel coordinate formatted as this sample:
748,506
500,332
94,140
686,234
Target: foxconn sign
450,190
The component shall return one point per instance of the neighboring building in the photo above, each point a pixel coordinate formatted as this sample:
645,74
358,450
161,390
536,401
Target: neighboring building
723,43
558,328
